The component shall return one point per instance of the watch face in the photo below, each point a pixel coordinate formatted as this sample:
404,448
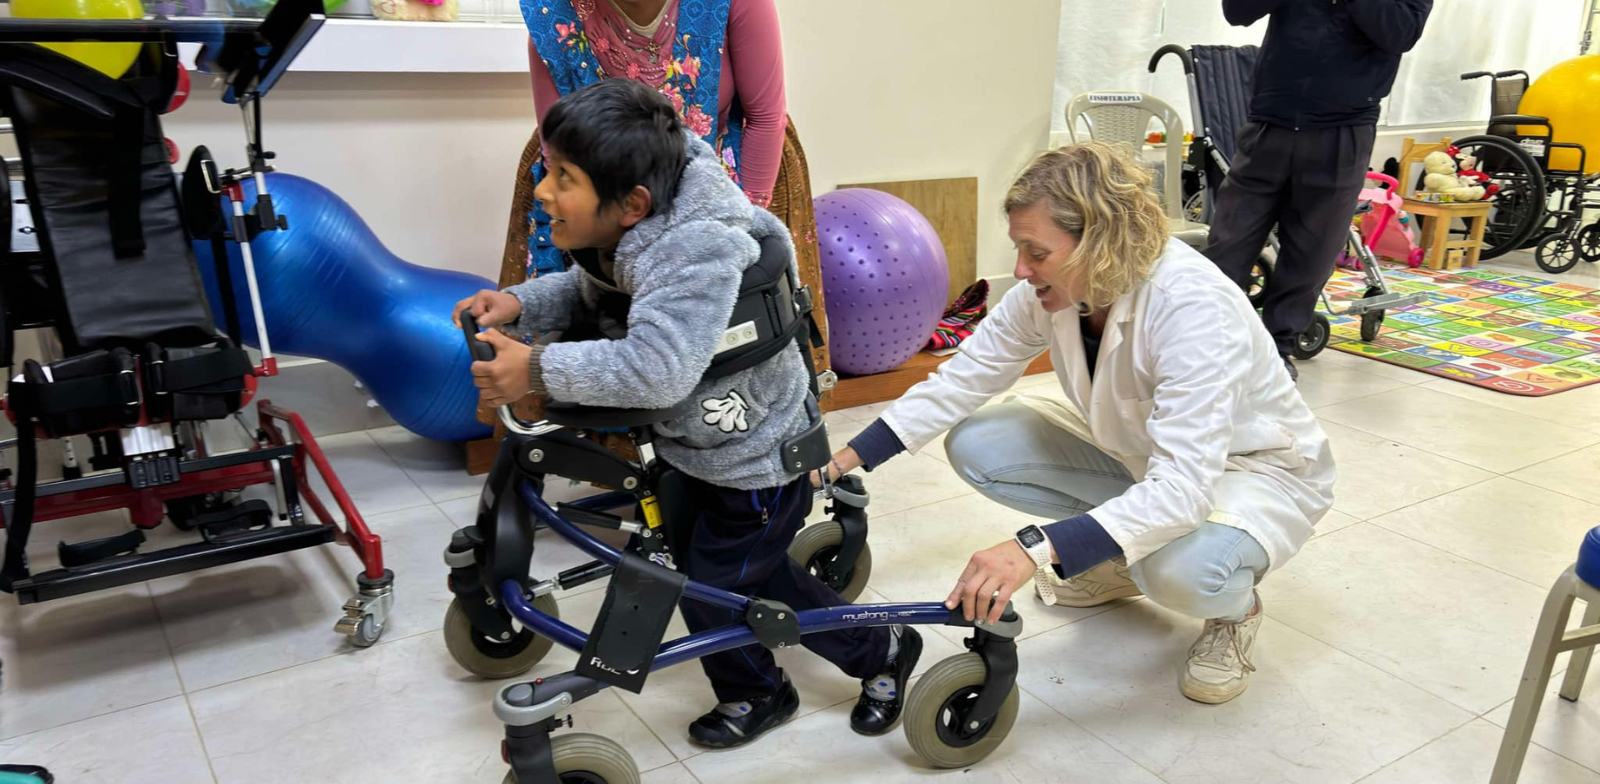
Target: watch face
1031,536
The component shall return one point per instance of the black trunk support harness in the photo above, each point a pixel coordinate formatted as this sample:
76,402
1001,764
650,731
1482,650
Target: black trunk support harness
772,313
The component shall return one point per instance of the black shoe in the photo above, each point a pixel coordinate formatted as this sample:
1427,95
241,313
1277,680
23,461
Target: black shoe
1294,372
718,730
873,716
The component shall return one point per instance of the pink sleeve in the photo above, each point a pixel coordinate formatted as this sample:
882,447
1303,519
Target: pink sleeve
544,87
755,53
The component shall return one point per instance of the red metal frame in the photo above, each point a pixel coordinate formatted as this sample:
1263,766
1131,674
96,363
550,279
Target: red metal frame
368,547
145,506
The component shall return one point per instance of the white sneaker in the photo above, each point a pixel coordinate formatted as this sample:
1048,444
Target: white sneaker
1103,583
1219,664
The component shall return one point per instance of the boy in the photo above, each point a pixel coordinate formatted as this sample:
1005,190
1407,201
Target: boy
644,208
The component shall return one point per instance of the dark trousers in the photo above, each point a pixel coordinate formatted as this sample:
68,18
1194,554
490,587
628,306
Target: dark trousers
741,544
1304,182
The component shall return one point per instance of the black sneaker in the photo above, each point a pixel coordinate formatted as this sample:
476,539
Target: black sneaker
735,724
883,696
1294,372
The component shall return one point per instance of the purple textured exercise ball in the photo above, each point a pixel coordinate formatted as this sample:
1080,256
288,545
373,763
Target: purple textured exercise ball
884,279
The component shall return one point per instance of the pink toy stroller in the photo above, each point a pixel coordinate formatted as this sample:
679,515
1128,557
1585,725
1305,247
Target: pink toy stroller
1385,229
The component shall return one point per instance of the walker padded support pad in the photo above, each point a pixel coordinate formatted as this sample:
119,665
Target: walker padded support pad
638,606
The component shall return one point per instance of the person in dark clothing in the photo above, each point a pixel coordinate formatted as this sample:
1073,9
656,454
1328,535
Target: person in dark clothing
1325,66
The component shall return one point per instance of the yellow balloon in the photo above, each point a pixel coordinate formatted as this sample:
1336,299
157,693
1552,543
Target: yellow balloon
1568,94
112,60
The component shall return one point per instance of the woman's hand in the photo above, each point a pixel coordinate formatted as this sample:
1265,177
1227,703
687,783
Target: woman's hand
489,308
844,461
991,577
504,379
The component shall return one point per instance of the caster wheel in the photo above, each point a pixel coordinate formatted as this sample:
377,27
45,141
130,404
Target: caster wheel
1311,342
935,716
1557,254
1260,276
367,632
493,659
817,546
1589,242
581,758
1371,323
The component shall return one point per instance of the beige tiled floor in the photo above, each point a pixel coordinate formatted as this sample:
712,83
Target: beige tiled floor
1393,644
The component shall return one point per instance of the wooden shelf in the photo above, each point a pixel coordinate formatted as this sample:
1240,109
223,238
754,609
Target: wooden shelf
866,390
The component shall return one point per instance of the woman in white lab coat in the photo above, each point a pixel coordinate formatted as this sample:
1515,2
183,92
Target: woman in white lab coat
1184,465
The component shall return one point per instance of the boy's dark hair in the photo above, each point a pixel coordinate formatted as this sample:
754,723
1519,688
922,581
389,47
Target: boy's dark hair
621,133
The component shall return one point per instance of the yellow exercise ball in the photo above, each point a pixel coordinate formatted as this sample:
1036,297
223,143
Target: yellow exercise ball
1568,94
112,60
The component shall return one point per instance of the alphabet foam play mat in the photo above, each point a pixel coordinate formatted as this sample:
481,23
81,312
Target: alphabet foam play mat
1510,333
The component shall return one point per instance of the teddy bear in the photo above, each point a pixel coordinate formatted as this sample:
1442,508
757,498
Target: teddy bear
1441,177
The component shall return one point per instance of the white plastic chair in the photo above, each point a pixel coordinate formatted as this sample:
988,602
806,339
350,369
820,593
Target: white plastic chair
1124,118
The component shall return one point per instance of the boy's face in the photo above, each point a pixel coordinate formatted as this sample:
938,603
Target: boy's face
577,219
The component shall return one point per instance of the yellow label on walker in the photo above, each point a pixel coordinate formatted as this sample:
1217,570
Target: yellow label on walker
652,512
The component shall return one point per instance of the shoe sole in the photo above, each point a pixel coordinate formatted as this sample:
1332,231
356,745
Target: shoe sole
1207,695
779,721
1105,598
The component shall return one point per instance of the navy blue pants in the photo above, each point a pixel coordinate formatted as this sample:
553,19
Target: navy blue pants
741,544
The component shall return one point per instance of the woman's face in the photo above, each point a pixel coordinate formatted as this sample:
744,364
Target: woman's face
1043,251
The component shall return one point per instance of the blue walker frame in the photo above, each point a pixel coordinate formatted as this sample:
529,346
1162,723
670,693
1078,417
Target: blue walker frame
532,710
489,563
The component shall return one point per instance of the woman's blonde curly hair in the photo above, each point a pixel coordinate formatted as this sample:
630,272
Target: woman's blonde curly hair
1103,197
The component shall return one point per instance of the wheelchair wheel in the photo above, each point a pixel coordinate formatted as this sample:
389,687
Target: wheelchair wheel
492,659
936,710
582,758
1556,254
1311,342
1589,243
817,546
1519,209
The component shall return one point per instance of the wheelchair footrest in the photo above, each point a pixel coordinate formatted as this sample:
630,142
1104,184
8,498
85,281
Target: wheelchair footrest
230,523
96,550
138,567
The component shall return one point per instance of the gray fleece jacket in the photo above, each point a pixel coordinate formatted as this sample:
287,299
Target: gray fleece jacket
682,268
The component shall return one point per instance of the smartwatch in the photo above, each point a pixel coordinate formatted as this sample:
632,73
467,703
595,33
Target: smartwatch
1035,544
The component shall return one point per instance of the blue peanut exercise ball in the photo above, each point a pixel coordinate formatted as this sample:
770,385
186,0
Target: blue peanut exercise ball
330,290
884,279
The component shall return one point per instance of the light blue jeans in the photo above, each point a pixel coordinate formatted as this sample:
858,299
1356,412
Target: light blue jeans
1016,457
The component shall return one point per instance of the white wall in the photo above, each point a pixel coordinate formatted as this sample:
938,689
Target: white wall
883,90
426,159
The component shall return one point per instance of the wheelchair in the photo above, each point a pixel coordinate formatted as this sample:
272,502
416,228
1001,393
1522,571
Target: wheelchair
503,621
101,264
1538,205
1219,87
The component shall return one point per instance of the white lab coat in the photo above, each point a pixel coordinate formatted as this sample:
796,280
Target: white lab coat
1188,392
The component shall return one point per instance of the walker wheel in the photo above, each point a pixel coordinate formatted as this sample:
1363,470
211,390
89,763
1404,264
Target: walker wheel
495,659
582,758
935,717
817,546
1371,321
1311,342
